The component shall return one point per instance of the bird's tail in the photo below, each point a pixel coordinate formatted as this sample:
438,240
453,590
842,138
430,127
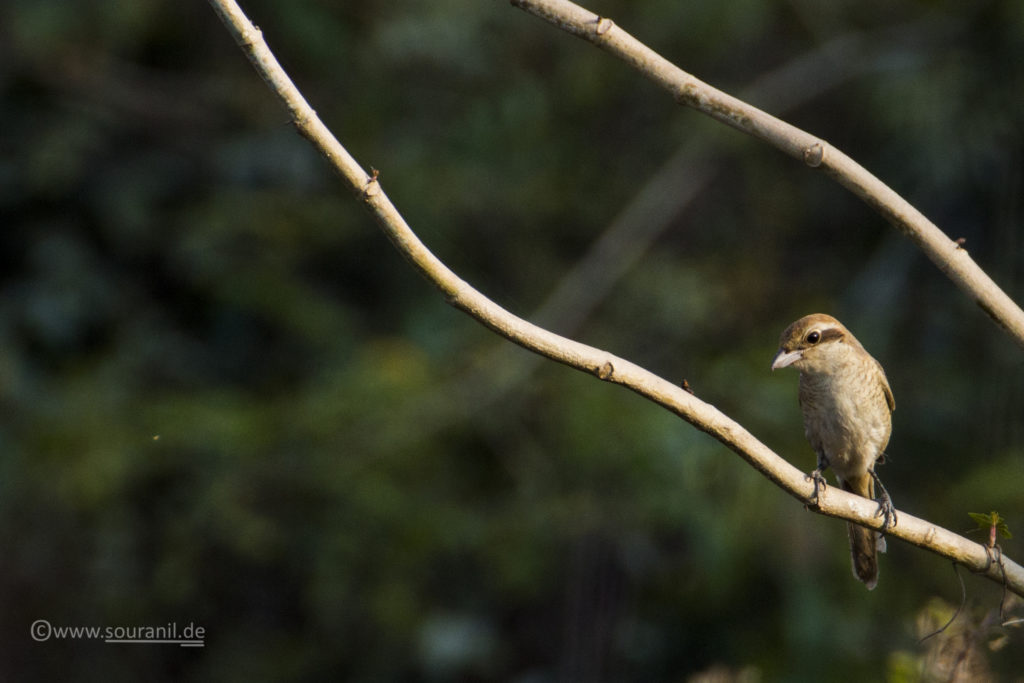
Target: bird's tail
865,544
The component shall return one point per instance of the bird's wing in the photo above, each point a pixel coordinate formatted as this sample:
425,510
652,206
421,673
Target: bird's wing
885,388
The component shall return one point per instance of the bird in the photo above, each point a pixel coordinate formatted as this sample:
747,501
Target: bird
847,407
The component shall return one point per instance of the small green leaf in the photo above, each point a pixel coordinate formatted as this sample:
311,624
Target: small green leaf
984,521
992,520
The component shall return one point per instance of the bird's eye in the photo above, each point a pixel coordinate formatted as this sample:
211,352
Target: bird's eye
813,337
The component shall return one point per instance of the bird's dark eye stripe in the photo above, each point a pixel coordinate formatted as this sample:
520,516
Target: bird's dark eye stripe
831,334
817,336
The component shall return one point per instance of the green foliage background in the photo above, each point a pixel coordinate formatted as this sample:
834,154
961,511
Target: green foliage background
228,401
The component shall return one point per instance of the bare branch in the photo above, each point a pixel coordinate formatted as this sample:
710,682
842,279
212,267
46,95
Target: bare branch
705,417
944,252
662,197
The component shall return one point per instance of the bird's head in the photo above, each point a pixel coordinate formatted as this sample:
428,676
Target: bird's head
810,342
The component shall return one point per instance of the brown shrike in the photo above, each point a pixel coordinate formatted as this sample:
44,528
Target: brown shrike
847,406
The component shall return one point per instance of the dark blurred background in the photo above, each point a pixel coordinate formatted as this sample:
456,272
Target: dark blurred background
228,401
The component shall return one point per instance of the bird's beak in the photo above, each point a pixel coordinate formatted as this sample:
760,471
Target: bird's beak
785,358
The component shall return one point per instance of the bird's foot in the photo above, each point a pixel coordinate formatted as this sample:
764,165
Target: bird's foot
819,484
887,510
885,507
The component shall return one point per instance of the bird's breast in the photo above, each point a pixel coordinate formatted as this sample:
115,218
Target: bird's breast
846,416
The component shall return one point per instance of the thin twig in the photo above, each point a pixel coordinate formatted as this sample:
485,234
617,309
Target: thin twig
811,150
963,601
665,195
607,367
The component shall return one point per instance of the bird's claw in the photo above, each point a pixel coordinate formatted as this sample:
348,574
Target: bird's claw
885,507
819,484
887,510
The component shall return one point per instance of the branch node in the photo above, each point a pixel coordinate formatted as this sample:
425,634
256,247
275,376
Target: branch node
604,24
250,36
372,186
687,94
302,120
606,371
814,155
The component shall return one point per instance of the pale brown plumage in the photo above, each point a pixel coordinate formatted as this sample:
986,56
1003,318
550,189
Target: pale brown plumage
847,407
